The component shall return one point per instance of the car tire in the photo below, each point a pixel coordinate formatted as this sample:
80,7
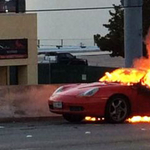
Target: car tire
117,109
73,118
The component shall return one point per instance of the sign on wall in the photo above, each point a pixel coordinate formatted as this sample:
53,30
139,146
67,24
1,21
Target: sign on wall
13,48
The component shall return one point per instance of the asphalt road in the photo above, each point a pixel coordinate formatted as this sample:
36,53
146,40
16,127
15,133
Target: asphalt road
57,134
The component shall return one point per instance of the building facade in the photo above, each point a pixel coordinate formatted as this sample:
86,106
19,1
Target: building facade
18,66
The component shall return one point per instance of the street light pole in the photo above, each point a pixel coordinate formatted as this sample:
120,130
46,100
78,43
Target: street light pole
132,30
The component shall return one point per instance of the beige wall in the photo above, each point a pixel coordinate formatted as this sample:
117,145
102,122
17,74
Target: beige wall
19,26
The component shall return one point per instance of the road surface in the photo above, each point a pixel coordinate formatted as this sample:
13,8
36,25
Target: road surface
57,134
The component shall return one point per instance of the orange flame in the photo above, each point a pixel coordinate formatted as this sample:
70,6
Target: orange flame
139,119
93,119
146,79
126,76
134,119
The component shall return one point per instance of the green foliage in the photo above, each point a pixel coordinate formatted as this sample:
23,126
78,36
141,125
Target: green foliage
114,40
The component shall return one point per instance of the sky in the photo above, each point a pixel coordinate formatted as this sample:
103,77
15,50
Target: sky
74,27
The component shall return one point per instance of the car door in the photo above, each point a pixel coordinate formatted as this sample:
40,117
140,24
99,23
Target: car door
143,100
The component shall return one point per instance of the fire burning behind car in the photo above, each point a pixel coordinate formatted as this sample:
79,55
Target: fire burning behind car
140,73
133,75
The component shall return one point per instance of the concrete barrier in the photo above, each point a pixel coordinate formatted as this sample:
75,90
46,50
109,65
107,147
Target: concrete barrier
25,101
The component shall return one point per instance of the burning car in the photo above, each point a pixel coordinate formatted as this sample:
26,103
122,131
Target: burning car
122,93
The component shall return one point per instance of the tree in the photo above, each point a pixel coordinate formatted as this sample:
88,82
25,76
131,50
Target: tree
114,40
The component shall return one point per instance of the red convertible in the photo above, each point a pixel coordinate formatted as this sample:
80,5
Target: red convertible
117,95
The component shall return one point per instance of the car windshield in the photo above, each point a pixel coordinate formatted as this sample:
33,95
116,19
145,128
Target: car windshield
124,75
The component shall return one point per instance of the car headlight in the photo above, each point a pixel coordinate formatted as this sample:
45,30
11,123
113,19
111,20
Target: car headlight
60,89
90,92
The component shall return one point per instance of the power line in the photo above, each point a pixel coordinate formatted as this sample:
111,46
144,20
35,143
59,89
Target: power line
77,9
64,39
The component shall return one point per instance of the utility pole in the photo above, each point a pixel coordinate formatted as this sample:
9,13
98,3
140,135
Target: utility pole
132,30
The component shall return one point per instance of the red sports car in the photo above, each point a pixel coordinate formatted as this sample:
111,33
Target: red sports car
115,97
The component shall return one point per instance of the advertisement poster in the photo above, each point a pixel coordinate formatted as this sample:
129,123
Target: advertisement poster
13,48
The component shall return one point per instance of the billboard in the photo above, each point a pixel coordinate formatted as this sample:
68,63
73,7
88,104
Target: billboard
13,48
12,6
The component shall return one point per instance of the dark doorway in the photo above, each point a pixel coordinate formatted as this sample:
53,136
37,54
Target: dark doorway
13,74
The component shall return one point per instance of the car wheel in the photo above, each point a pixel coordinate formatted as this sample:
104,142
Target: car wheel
117,109
73,118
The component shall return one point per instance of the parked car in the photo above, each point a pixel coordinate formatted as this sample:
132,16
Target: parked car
64,58
113,100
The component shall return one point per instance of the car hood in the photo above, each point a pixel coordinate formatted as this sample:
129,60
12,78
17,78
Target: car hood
97,84
76,89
